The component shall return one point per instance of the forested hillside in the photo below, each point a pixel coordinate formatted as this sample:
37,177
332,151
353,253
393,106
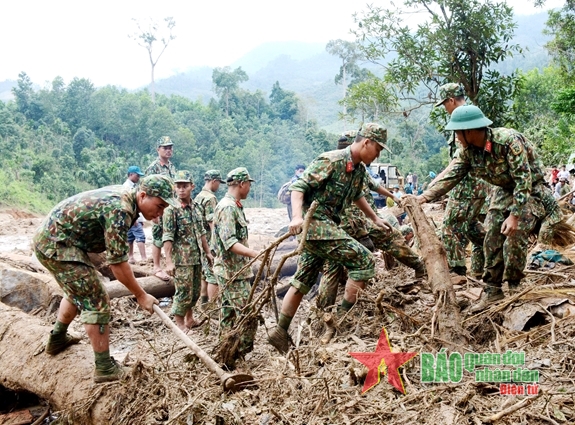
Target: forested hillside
71,136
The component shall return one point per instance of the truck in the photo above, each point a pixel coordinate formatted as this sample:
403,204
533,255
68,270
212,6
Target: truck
387,174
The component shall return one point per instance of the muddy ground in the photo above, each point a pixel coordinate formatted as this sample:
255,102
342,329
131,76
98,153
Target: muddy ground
321,384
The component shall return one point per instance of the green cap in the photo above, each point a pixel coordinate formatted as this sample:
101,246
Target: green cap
467,117
183,176
405,230
214,175
160,186
375,132
165,141
239,174
448,91
346,139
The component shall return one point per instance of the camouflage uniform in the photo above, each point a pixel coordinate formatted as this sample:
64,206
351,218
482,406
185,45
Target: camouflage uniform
167,170
93,221
334,181
358,226
462,222
231,227
510,163
206,201
183,226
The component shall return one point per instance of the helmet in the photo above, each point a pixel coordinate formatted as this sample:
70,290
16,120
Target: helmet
467,117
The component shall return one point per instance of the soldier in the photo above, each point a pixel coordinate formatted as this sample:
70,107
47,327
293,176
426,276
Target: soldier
163,166
184,239
355,223
206,201
230,239
520,201
462,222
96,221
334,179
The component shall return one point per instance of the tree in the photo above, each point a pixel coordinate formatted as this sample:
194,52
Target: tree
561,26
26,99
460,41
284,103
147,35
349,53
227,82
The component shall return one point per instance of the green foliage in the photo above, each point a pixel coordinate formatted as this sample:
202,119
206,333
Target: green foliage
561,25
86,137
458,42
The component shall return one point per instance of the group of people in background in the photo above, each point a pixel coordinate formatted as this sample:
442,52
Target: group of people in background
206,242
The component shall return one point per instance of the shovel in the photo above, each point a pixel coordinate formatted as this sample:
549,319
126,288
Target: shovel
230,382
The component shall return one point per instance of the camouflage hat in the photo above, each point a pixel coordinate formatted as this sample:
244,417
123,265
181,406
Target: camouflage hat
375,132
165,141
346,139
239,174
183,176
405,230
214,175
160,186
448,91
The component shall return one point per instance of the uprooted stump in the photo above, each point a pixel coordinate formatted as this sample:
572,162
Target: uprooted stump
446,319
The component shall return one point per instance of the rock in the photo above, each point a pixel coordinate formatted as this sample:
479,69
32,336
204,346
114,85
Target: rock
28,290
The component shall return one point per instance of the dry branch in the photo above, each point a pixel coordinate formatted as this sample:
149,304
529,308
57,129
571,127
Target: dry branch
446,315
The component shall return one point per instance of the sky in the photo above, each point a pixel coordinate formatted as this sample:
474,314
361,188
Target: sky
90,39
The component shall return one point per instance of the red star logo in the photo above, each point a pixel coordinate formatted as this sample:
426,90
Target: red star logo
382,356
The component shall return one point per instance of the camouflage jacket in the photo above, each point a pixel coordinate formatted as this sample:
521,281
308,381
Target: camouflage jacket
353,219
206,201
335,183
230,227
183,226
157,168
509,161
470,187
93,221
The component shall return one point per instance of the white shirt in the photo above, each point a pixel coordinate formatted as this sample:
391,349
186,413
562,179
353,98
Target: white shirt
564,174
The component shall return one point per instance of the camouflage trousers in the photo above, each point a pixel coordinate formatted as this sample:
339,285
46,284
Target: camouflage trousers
461,225
506,256
187,284
234,298
82,287
158,233
392,242
347,253
207,271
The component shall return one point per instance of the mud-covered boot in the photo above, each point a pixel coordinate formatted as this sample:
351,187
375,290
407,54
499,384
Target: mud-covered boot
330,328
278,337
513,286
59,342
109,372
491,295
420,272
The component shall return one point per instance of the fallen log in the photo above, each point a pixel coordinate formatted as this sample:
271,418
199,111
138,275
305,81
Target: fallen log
152,285
446,319
99,261
64,380
28,290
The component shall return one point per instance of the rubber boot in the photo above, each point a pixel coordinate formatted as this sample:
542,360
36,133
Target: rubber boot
59,342
278,337
110,372
513,286
491,295
330,328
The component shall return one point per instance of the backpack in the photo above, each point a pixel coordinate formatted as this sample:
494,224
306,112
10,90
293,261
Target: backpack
284,194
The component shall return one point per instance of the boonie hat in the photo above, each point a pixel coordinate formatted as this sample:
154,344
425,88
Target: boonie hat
135,169
160,186
183,176
239,174
375,132
214,175
165,141
467,117
448,91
